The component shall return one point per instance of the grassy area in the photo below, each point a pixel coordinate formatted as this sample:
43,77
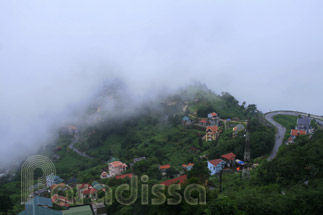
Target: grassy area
289,122
70,163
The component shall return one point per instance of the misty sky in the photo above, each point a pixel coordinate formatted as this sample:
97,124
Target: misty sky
54,54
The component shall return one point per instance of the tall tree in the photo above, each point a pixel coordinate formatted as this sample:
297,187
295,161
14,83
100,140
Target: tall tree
5,204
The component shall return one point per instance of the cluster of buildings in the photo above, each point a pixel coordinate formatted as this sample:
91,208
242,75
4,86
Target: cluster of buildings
44,206
211,125
227,161
42,203
303,127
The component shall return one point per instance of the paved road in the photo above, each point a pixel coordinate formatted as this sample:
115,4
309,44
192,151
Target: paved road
71,146
280,129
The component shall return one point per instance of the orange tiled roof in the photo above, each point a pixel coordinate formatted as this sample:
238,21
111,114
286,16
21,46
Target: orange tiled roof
129,175
229,156
295,132
167,166
186,165
179,180
214,129
117,163
215,162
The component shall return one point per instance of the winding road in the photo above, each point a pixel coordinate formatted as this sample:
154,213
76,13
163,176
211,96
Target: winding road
71,146
281,130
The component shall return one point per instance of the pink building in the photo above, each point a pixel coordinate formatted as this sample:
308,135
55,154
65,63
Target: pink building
116,168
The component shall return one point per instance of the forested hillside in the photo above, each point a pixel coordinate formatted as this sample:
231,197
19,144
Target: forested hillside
157,133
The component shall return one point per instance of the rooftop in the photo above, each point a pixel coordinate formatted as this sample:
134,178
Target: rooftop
80,210
213,129
117,164
295,132
179,180
129,175
229,156
213,114
167,166
39,210
215,162
187,165
304,121
42,201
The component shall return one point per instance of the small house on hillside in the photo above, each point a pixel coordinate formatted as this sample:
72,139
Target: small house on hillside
229,159
304,123
104,175
212,133
188,167
116,168
295,133
61,201
86,190
164,168
212,116
53,179
203,122
215,166
238,128
213,119
186,121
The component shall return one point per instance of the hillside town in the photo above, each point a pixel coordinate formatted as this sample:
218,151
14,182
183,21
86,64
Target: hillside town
212,125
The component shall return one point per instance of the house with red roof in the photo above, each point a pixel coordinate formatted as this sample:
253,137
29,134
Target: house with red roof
290,140
212,133
86,190
188,166
61,201
295,132
229,159
178,180
203,122
215,166
129,175
116,168
163,168
213,119
212,115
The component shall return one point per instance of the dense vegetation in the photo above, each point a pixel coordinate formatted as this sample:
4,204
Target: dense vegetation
290,184
157,133
289,122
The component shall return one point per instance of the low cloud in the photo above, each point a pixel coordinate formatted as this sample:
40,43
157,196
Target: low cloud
56,55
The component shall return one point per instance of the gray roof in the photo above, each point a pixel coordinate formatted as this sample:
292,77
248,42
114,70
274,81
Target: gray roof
304,121
37,210
38,200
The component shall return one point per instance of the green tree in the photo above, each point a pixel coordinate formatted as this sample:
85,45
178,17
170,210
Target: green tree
222,205
199,171
5,204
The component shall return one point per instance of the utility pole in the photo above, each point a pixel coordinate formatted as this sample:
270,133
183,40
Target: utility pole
245,170
221,172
